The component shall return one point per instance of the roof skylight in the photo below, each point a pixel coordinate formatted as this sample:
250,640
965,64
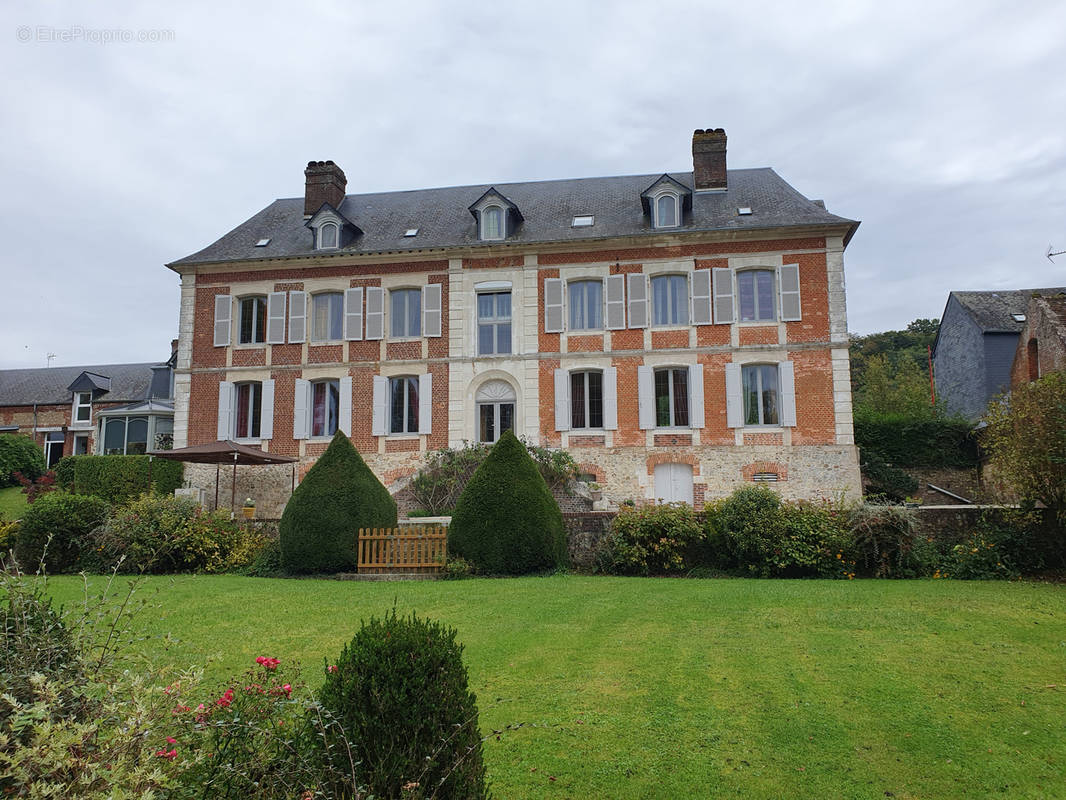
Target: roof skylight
1018,317
583,221
262,243
744,211
411,232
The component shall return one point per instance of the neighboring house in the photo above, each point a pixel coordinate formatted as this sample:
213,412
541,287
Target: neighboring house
1042,342
975,346
680,334
113,408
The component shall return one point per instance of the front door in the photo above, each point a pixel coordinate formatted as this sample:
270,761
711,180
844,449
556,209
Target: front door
673,483
53,448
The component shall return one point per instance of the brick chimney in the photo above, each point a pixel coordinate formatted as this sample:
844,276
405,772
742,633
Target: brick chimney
708,159
325,184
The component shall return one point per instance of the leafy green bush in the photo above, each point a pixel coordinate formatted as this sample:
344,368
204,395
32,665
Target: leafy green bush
19,454
650,540
321,521
118,479
885,542
507,521
68,519
456,569
267,561
977,559
909,441
884,479
399,692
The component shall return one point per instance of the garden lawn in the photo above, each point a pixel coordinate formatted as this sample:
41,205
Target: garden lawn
12,503
630,688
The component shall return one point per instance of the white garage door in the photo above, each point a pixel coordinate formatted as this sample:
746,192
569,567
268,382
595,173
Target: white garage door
673,483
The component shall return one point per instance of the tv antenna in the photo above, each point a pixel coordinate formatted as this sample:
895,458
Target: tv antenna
1051,255
49,358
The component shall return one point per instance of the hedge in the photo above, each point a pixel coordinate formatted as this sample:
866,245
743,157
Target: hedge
19,454
118,479
909,442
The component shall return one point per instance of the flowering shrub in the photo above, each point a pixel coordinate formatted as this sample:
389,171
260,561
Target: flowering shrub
977,558
650,540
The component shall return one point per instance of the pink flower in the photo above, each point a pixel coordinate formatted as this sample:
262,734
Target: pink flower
268,662
171,740
167,754
331,668
287,689
226,699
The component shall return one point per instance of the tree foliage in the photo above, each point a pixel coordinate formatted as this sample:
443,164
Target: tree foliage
19,454
898,361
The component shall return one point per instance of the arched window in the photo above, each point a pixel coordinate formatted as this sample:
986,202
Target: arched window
495,410
666,211
492,223
327,236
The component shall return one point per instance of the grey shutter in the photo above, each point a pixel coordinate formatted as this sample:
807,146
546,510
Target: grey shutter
353,314
696,417
790,293
701,297
425,402
223,317
431,310
301,409
610,399
562,400
381,406
646,397
638,300
786,376
375,312
344,407
297,317
616,302
266,411
225,410
734,397
276,318
723,296
553,307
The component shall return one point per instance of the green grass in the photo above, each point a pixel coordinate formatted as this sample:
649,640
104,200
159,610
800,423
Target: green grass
634,688
12,503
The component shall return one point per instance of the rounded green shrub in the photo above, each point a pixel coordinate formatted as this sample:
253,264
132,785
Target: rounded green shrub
19,454
69,519
507,521
651,540
400,697
337,497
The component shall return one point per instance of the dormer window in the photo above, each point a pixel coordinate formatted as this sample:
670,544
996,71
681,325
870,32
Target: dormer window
666,211
327,236
83,408
666,201
331,229
492,223
496,216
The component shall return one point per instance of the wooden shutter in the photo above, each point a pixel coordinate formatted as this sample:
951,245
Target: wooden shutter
375,312
431,312
786,376
297,318
425,401
790,292
276,318
610,398
734,397
553,307
646,397
344,407
266,410
225,410
562,400
223,318
696,416
701,297
616,302
723,296
301,409
638,300
353,314
378,426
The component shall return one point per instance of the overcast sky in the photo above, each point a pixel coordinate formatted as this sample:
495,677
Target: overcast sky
939,125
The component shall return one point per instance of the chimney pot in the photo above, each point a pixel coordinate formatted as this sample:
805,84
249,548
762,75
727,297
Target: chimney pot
325,183
708,159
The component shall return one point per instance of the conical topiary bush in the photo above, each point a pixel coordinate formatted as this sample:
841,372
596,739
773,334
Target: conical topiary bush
337,497
506,521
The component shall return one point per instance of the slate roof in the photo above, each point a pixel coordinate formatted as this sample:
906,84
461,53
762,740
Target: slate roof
443,219
992,310
24,387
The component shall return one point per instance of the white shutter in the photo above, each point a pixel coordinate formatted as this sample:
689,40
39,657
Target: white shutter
638,300
344,408
646,396
616,302
786,376
297,317
696,417
553,307
301,409
790,292
375,312
734,397
701,297
425,401
610,399
562,400
723,296
223,317
431,310
353,314
266,411
276,318
381,406
225,410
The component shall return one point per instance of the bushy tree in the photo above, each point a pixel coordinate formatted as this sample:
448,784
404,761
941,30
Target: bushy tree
60,524
506,520
338,496
19,454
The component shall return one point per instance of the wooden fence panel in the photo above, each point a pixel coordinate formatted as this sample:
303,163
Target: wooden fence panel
408,549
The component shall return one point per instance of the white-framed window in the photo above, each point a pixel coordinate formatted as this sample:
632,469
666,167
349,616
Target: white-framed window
403,404
761,394
669,298
492,223
495,410
586,399
493,323
586,305
83,408
125,436
325,407
248,414
755,295
667,210
327,317
81,444
328,235
405,306
671,397
253,315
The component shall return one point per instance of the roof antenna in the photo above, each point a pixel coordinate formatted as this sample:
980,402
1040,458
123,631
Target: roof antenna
49,358
1051,256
